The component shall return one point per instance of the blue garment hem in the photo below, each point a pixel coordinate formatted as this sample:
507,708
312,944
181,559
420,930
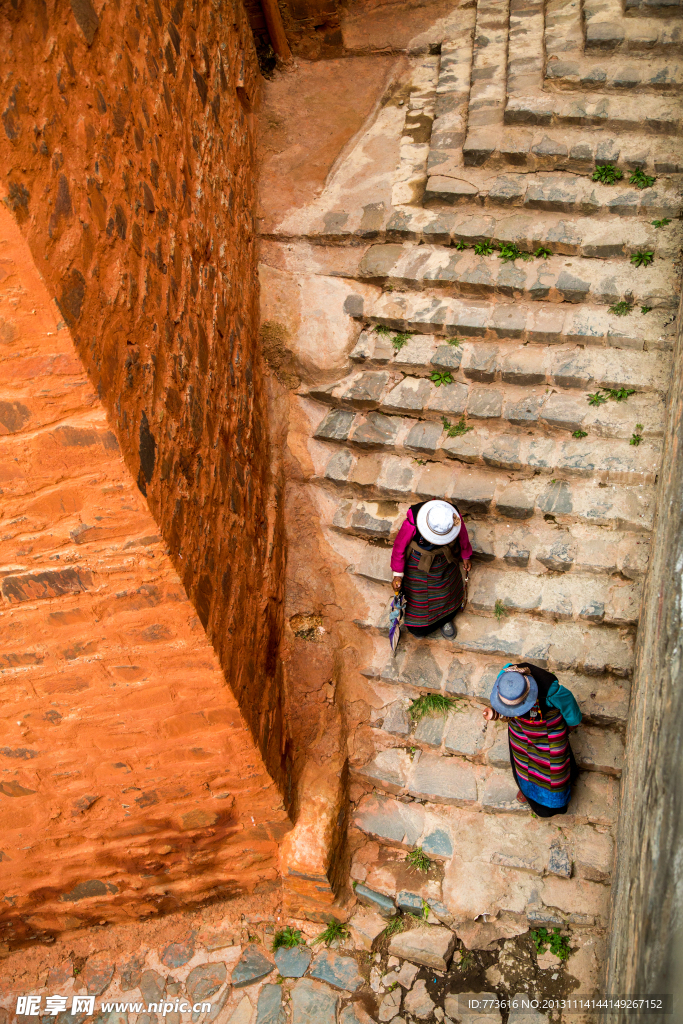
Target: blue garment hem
546,797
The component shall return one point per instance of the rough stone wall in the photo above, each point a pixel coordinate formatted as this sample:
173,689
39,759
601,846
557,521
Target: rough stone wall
646,929
127,155
129,781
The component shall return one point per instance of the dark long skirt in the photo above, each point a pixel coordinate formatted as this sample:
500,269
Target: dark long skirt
540,809
432,598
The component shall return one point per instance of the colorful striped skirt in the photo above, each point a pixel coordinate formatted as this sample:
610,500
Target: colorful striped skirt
542,761
432,598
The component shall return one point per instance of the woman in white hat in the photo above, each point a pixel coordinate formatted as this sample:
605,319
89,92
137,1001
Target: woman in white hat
426,564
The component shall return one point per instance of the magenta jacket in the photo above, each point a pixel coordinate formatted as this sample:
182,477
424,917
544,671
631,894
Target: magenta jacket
406,534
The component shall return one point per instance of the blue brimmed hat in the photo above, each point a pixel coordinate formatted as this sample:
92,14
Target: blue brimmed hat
513,693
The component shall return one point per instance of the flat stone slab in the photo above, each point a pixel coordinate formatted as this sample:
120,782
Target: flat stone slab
269,1009
340,971
523,1013
456,1006
365,926
418,1002
377,900
293,963
177,954
251,967
430,946
313,1003
205,980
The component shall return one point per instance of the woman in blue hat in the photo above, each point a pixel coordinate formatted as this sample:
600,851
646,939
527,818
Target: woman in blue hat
540,714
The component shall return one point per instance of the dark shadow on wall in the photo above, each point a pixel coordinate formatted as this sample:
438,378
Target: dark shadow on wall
646,955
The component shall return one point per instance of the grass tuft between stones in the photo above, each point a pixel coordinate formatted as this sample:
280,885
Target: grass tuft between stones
432,704
334,931
559,944
288,938
419,860
394,927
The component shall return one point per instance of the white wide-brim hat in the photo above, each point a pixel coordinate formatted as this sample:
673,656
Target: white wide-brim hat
438,522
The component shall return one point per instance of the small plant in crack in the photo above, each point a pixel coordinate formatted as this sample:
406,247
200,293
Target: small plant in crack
542,253
607,174
578,434
432,704
509,252
484,248
425,909
394,927
399,340
335,931
419,860
559,944
621,308
646,309
288,938
619,394
455,342
597,399
661,223
642,258
461,246
466,960
636,436
640,179
382,329
499,610
440,377
455,429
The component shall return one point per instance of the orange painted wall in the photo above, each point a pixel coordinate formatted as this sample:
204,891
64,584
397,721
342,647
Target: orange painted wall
129,781
126,154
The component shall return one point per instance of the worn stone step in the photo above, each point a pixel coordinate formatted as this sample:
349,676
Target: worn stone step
582,647
607,29
642,74
555,279
588,550
662,8
613,460
556,191
528,103
487,491
411,175
506,362
567,66
571,149
550,594
527,866
504,406
535,322
430,665
451,100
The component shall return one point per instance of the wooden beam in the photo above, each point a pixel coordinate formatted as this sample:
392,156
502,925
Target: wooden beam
276,30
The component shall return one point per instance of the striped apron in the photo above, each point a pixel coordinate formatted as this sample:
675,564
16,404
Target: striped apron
541,757
433,587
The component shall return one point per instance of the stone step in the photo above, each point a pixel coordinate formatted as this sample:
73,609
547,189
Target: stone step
430,666
507,362
546,149
554,596
503,406
587,550
528,867
534,322
555,279
607,29
452,98
550,191
561,646
464,734
609,461
567,66
662,8
487,491
411,175
528,104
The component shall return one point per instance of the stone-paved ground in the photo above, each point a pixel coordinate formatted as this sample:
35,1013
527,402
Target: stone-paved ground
223,957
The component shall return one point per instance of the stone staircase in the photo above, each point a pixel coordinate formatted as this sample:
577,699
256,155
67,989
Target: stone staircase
500,137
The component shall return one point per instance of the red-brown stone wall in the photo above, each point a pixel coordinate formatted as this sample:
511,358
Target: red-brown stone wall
129,780
126,153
